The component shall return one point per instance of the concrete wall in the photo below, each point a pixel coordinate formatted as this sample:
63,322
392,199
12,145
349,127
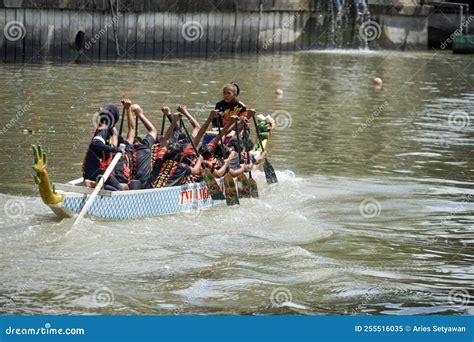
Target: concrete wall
34,29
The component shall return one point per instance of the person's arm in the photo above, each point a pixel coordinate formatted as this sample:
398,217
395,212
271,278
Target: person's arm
114,139
221,171
196,169
205,125
98,143
131,124
245,120
237,172
138,111
174,121
243,111
194,123
224,131
261,158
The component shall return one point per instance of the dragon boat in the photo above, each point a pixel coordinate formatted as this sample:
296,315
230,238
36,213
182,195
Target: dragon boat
67,199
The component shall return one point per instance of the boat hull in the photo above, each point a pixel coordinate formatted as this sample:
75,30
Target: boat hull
127,205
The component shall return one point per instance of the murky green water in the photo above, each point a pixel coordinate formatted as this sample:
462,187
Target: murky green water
373,212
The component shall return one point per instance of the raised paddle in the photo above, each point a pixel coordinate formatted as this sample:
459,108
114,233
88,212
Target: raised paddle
270,174
231,197
136,126
163,123
215,191
244,191
100,184
121,121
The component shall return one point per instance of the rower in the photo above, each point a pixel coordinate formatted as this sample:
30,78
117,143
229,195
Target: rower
141,152
168,170
101,150
230,105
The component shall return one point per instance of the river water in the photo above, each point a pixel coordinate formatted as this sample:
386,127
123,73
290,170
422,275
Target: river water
373,212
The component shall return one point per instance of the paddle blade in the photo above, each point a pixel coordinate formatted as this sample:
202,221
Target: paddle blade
270,174
214,190
244,186
231,197
253,188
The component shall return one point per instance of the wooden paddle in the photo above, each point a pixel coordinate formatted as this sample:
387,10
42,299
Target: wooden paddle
252,182
163,123
270,174
136,126
214,189
244,190
121,121
231,197
100,184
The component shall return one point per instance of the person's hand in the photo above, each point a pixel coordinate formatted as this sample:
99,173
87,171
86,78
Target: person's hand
200,158
263,155
126,103
166,110
136,109
214,114
114,131
182,109
251,111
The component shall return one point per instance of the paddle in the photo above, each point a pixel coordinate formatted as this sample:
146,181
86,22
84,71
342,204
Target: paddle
270,174
121,121
100,184
215,191
244,191
163,123
231,197
136,126
252,182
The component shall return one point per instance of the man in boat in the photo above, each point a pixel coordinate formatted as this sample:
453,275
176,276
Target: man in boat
101,150
168,169
141,157
135,166
189,155
229,105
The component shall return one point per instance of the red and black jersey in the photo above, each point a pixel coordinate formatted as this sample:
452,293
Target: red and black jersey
142,159
172,173
99,155
229,109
